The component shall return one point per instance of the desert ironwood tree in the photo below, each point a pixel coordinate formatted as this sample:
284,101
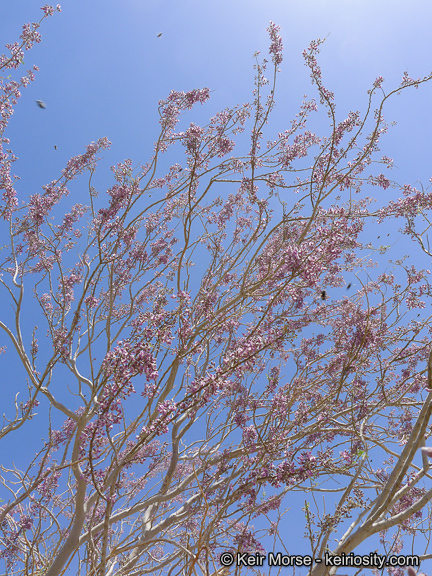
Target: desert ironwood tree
199,374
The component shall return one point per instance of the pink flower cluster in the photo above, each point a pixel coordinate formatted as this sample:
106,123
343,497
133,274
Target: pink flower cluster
129,359
276,46
49,10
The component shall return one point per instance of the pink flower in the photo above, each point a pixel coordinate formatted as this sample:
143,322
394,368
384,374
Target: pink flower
276,46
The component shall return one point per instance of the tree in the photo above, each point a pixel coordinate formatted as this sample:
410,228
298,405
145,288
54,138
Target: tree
203,365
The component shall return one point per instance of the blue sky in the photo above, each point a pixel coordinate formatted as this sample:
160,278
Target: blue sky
103,70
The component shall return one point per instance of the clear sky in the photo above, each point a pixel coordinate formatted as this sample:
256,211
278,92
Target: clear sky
103,70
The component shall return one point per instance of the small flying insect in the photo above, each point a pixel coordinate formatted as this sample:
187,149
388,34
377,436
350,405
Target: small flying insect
349,286
41,104
159,35
323,294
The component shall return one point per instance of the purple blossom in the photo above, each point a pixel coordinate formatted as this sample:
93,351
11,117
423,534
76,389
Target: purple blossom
276,46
